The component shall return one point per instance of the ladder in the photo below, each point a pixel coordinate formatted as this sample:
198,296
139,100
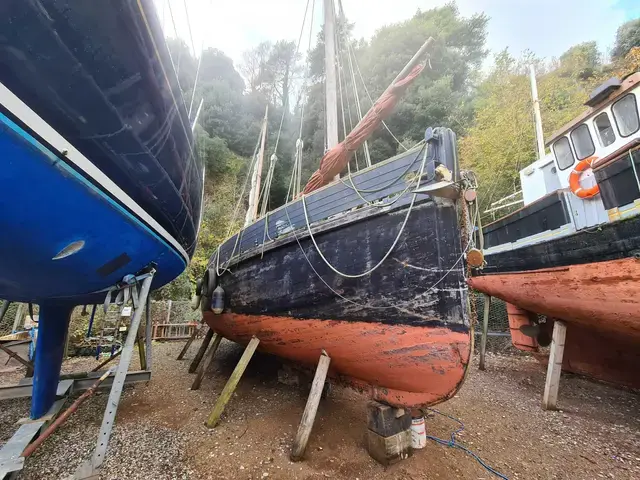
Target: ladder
109,333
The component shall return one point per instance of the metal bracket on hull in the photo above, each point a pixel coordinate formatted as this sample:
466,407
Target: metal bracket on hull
90,468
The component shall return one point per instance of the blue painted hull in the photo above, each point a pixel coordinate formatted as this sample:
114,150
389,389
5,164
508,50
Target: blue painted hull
100,75
46,205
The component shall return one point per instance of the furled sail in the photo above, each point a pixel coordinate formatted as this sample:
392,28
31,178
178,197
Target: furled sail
336,159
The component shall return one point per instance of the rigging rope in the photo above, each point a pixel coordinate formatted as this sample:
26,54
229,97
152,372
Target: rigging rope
393,245
355,59
354,84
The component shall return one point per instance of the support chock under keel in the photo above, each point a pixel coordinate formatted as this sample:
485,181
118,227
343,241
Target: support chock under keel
311,408
232,383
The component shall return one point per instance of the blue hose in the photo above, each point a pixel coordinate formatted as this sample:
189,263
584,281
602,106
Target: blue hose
454,444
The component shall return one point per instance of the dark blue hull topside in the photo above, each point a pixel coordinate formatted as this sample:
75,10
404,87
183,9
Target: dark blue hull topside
96,150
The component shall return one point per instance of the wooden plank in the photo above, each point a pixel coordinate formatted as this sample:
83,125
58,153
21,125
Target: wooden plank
204,366
201,351
141,353
232,383
310,409
485,330
188,344
554,368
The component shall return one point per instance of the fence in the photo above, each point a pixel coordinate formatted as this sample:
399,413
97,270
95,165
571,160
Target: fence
171,320
499,338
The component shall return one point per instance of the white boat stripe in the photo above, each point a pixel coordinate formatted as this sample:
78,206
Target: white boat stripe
30,118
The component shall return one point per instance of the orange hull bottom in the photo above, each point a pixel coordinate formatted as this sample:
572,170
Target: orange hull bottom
600,303
399,365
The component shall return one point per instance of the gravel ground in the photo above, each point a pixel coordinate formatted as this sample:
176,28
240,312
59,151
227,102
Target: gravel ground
159,433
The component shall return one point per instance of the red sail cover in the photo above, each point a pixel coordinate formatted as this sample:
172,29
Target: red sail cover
336,159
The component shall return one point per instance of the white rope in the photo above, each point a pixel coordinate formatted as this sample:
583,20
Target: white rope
342,78
368,305
395,242
355,61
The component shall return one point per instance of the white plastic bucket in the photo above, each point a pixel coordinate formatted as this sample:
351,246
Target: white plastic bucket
418,433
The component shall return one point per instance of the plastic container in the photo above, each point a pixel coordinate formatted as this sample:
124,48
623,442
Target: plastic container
418,433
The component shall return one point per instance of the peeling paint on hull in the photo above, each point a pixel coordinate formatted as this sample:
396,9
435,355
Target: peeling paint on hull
402,366
400,333
600,303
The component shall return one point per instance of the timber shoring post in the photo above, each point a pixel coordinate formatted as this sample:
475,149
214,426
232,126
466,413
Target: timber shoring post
201,351
204,366
232,383
485,330
310,409
141,352
18,358
188,344
148,337
108,360
554,368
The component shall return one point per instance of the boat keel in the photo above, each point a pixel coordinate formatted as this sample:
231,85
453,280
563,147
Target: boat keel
52,329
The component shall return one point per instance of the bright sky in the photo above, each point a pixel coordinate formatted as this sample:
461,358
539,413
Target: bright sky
546,27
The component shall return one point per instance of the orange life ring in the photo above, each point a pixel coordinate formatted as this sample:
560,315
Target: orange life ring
574,179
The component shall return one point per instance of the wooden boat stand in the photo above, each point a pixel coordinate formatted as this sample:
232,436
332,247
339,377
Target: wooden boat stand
201,363
554,367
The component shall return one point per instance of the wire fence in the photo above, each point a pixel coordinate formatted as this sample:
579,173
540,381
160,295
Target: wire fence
499,338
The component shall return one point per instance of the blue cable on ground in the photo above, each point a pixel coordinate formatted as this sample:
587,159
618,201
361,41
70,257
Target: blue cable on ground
454,444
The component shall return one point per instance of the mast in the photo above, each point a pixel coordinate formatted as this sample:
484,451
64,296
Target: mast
331,95
536,113
254,195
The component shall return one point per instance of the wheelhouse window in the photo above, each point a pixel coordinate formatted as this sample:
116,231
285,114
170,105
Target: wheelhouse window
604,129
563,153
625,112
582,142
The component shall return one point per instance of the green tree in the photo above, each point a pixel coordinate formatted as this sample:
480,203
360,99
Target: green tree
627,37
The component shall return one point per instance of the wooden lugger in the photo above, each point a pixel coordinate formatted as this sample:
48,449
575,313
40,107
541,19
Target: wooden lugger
401,332
392,333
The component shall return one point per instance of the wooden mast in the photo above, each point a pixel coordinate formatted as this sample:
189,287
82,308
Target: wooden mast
254,195
331,95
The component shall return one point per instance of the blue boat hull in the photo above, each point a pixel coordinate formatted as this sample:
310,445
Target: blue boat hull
98,176
45,205
98,77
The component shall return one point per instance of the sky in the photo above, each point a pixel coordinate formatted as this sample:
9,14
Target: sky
546,27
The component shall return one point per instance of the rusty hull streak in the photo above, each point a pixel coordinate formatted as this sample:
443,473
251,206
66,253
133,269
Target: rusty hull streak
603,296
400,365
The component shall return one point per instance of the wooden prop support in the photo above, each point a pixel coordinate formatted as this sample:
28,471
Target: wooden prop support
201,351
17,357
485,330
141,352
204,366
232,383
552,383
311,408
193,336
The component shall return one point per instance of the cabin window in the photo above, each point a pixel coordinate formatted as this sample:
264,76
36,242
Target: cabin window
606,135
563,153
625,112
582,142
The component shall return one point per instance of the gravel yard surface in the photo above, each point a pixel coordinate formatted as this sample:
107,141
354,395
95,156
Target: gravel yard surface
160,432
